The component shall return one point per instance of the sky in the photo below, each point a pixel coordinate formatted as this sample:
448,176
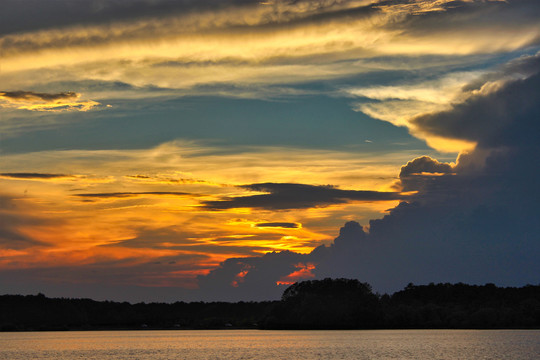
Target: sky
159,150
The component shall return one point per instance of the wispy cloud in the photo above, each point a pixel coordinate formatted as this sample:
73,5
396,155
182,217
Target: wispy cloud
136,194
286,225
288,41
296,196
31,176
56,102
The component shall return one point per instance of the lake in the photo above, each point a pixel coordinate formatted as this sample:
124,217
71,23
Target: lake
260,345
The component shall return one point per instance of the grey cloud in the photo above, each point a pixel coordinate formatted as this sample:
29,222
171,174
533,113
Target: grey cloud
31,15
43,176
35,96
168,180
36,15
12,218
417,173
159,280
260,274
28,282
282,196
287,225
135,194
424,164
490,119
471,15
258,282
176,238
35,101
519,68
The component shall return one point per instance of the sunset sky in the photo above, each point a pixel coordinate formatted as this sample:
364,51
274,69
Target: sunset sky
159,150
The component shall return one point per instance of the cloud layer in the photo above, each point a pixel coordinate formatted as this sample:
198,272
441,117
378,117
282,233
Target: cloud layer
203,43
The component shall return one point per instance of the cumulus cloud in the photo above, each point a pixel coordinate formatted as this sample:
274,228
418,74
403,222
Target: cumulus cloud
265,277
282,196
488,119
474,222
56,102
415,175
259,277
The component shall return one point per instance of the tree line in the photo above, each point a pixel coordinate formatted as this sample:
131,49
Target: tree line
314,304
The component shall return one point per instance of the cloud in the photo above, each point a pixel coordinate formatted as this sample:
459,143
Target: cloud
286,225
424,164
259,277
440,111
13,218
283,196
57,102
33,176
266,276
135,194
494,114
474,222
32,96
418,172
289,42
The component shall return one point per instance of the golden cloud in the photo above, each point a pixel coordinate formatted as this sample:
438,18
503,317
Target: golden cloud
55,102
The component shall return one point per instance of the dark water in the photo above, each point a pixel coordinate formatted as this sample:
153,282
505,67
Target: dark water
286,345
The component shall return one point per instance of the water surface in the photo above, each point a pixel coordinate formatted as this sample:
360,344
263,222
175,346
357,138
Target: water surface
275,345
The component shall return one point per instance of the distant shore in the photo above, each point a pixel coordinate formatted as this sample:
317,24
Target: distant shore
317,304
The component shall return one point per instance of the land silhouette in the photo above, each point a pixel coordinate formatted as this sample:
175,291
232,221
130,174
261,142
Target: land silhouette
314,304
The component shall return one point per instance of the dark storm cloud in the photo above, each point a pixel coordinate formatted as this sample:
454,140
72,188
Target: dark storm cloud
417,173
490,119
473,224
258,279
287,225
135,194
42,176
424,164
282,196
520,68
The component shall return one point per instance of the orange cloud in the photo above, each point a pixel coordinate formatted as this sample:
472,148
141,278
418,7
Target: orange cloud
304,272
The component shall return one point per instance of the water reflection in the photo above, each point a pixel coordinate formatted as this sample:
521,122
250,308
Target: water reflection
286,345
